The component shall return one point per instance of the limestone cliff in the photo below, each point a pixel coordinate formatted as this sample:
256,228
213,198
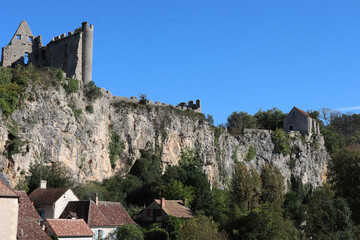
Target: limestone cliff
54,126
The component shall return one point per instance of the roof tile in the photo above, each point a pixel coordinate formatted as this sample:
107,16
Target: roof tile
28,226
176,208
103,214
70,227
6,191
46,196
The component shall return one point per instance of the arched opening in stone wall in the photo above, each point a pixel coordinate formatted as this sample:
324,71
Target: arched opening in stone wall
291,128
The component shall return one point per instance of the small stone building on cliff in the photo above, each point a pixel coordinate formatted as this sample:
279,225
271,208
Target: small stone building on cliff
71,52
299,120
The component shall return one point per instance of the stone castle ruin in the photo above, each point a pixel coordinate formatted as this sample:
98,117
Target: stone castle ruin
72,52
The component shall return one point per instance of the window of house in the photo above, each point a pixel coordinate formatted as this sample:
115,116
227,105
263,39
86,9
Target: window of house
100,233
159,212
18,36
26,58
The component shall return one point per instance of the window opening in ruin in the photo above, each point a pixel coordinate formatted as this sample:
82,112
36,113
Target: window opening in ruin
293,114
291,128
26,58
18,37
30,39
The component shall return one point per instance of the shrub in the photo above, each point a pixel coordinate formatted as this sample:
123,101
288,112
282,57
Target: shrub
116,148
143,98
156,234
77,112
89,108
251,153
12,88
58,73
199,228
14,143
72,86
129,232
92,92
173,226
281,141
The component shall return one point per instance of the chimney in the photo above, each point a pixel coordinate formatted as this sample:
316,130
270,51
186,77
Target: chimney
43,184
184,201
96,199
162,202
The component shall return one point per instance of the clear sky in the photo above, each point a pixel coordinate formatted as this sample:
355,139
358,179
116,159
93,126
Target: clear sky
238,55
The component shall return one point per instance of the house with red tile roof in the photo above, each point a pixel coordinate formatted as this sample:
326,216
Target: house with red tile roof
160,209
51,202
299,120
101,216
9,210
69,229
28,226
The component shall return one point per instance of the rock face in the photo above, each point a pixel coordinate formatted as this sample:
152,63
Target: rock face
55,127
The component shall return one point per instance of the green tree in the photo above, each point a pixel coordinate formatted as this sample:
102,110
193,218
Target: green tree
129,232
176,190
265,222
270,119
56,175
92,92
148,170
295,201
238,121
245,188
174,172
71,86
210,119
195,177
116,147
173,226
281,141
156,234
344,175
273,186
327,217
200,228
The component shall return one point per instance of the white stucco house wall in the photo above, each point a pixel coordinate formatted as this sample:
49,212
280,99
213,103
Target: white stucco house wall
9,209
51,202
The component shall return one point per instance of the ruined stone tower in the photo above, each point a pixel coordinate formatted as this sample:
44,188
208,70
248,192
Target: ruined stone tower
72,52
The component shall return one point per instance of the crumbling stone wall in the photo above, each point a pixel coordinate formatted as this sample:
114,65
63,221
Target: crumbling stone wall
72,52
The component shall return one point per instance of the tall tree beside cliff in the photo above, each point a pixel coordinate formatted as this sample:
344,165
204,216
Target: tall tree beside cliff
245,188
344,174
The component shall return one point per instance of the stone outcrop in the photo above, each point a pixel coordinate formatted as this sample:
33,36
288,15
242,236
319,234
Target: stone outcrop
53,131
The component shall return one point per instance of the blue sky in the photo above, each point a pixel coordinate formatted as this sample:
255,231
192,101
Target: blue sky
232,55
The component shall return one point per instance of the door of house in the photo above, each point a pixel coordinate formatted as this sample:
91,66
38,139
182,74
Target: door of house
154,215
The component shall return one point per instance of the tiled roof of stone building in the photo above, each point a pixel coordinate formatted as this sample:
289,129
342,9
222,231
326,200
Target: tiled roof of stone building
176,208
115,213
70,227
303,112
6,191
28,226
103,214
46,196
